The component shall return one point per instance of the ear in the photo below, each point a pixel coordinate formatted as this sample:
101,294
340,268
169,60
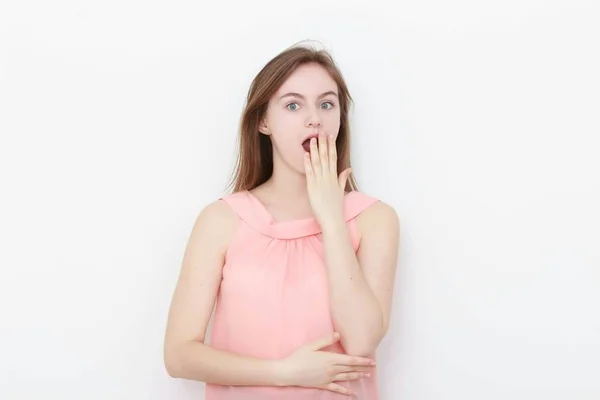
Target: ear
263,128
343,178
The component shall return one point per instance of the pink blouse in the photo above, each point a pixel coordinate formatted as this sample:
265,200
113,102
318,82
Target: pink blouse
273,296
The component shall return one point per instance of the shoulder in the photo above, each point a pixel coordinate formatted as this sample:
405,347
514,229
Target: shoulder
372,209
379,213
380,217
217,211
216,220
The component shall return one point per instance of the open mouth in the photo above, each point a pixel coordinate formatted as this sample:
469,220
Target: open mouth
306,143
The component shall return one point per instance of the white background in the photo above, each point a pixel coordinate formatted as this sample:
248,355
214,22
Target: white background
477,120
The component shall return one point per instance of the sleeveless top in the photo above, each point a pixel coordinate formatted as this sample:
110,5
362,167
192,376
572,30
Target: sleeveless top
273,296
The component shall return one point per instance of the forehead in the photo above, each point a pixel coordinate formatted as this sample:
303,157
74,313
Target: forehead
309,80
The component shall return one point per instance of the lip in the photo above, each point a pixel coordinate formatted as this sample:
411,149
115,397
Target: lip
312,135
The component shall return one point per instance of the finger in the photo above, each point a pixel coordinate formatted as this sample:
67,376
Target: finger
332,155
338,369
344,359
324,342
350,376
310,174
314,156
323,152
336,387
343,178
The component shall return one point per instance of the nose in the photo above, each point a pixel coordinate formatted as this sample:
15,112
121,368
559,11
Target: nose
314,119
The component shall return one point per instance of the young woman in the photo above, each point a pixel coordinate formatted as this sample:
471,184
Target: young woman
301,264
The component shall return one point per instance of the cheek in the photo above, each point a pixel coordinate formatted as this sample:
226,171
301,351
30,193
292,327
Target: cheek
283,123
332,115
333,127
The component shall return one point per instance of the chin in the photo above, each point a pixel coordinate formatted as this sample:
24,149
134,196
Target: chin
299,169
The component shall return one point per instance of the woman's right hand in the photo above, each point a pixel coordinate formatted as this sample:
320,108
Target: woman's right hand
309,366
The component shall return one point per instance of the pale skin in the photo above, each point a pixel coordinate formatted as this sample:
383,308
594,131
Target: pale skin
360,284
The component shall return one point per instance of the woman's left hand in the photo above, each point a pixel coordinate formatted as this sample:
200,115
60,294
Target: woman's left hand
326,189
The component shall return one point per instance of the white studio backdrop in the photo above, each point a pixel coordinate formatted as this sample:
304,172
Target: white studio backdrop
477,120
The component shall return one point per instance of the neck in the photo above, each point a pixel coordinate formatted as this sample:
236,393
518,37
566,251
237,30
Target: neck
287,184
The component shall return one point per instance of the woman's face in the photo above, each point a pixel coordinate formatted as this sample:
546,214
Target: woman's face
306,104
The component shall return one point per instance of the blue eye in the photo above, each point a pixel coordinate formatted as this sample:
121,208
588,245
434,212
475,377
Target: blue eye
327,102
292,104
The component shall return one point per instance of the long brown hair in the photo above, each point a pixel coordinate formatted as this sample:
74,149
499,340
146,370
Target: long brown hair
254,163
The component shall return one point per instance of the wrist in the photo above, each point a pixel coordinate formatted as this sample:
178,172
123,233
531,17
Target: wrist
333,223
279,372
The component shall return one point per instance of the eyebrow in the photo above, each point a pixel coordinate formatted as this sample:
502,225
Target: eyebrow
293,94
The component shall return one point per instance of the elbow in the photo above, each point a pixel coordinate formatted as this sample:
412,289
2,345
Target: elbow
361,347
173,362
364,349
173,370
365,346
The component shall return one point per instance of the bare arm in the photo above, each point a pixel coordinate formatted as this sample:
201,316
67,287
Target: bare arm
361,284
185,354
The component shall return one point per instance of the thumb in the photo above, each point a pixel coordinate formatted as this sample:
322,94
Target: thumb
324,342
344,177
